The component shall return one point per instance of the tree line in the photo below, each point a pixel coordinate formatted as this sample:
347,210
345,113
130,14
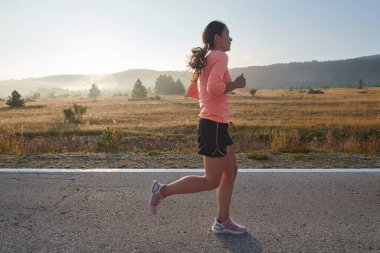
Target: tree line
165,85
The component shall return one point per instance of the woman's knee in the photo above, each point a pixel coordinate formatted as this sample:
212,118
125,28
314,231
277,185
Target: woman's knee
231,165
230,172
212,183
214,171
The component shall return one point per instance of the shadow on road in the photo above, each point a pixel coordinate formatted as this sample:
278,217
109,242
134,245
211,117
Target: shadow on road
240,243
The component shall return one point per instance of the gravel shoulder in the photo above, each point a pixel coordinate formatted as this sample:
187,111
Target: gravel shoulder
177,160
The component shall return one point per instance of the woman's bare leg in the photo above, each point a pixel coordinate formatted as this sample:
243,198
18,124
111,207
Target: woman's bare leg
225,189
214,168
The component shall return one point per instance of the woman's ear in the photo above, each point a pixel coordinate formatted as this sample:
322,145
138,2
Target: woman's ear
216,38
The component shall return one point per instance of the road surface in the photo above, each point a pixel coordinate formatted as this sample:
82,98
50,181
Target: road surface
106,212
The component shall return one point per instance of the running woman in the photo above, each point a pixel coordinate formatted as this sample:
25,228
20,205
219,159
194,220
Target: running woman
210,84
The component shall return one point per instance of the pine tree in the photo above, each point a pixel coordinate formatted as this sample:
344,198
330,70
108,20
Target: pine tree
139,90
94,91
180,89
15,100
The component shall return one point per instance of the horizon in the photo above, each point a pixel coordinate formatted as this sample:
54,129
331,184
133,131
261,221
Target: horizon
171,70
49,38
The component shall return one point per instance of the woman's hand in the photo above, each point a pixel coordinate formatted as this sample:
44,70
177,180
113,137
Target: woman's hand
239,82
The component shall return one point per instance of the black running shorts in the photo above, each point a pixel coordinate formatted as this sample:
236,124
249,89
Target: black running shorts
213,138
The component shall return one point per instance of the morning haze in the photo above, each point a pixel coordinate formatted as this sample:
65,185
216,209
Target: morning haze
342,73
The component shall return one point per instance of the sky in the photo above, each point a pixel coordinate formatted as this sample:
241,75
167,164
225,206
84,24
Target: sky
51,37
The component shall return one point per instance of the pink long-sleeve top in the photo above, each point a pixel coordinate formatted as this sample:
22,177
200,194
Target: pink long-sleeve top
211,86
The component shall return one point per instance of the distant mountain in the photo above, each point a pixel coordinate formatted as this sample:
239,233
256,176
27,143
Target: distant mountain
58,84
376,56
338,73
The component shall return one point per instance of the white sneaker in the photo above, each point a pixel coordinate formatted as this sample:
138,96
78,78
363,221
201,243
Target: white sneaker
228,227
155,196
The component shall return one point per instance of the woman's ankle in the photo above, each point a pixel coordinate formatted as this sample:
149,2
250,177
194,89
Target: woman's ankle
222,219
162,191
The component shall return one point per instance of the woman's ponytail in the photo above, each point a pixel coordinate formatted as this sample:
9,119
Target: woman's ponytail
197,61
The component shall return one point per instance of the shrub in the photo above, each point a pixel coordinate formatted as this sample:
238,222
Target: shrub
296,156
75,114
312,91
360,84
36,96
68,115
157,97
109,140
152,152
252,92
11,141
258,156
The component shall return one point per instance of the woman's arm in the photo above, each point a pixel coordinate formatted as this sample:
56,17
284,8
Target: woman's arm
215,84
238,83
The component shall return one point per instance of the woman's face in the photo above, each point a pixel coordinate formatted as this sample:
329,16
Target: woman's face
223,42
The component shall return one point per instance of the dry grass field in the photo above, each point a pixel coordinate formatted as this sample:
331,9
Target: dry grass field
280,120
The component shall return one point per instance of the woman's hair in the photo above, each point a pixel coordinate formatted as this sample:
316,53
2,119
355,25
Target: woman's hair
197,61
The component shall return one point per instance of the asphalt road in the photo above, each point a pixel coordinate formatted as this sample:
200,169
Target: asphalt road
106,212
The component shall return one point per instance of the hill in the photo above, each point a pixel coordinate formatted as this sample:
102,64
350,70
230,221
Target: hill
338,73
65,84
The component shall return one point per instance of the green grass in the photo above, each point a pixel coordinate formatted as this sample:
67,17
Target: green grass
296,156
258,156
